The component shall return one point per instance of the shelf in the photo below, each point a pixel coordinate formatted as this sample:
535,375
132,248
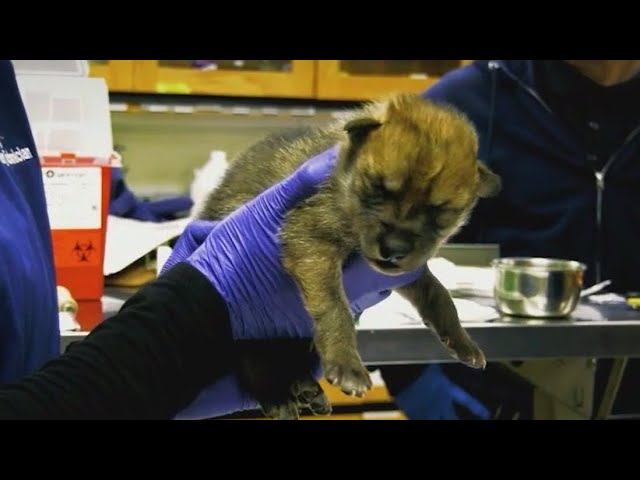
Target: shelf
252,78
369,79
324,80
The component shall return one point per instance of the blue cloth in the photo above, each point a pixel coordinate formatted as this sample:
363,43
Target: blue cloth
124,203
29,327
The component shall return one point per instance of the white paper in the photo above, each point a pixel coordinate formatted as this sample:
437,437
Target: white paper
129,240
397,312
607,298
477,281
68,322
111,305
73,197
162,255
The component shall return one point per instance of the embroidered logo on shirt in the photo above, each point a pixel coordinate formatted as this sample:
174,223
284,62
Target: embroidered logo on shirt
13,156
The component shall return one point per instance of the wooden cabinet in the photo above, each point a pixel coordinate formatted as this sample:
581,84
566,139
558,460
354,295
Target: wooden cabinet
117,73
367,79
350,80
255,78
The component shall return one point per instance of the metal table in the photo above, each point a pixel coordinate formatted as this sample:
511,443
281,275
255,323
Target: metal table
558,355
598,331
592,331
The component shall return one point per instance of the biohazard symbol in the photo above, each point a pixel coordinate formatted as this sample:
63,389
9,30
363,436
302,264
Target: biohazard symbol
83,251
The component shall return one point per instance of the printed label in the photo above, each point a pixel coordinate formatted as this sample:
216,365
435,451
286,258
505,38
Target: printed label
73,197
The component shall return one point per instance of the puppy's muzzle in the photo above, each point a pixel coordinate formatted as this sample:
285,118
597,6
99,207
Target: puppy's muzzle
394,248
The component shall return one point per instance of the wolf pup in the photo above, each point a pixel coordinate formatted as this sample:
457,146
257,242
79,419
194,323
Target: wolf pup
407,178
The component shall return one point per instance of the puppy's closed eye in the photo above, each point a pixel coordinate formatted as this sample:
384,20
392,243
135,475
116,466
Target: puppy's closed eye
442,216
375,192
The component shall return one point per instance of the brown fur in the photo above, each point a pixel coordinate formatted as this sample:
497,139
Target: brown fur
406,180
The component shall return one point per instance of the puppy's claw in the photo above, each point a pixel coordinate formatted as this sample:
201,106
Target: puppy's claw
320,405
353,380
286,411
466,351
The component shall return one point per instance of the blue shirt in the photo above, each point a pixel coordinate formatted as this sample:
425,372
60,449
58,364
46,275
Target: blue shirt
555,202
29,328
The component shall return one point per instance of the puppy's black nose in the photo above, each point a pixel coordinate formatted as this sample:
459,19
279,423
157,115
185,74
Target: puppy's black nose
394,248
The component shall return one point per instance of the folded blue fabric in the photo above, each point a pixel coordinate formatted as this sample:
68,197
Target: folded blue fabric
124,203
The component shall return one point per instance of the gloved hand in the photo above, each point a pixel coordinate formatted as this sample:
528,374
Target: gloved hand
220,398
241,257
433,396
195,233
364,286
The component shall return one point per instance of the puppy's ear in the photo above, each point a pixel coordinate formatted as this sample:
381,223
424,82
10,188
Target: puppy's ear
490,184
359,128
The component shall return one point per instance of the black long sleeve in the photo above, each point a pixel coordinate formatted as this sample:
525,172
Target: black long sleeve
149,361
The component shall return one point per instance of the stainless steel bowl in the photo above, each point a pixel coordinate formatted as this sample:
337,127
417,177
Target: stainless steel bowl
537,287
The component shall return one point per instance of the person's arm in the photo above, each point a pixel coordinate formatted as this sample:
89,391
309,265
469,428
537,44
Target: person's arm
169,341
176,336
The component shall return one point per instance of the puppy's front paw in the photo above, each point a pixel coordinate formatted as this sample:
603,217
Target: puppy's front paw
466,350
350,376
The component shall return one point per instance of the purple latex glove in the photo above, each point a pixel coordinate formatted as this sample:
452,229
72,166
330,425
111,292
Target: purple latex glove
195,233
241,257
364,286
221,398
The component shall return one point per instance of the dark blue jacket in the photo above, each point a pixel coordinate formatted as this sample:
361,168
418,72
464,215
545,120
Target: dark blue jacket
553,203
29,328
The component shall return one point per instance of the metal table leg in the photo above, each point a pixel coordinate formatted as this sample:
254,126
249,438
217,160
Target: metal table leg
611,390
563,388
